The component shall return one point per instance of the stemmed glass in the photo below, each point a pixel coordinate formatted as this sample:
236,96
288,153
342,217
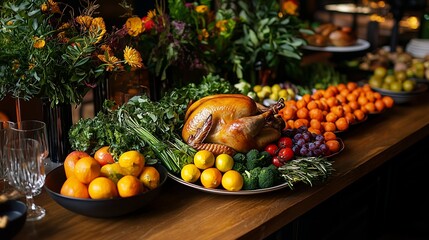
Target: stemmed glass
36,130
25,169
3,170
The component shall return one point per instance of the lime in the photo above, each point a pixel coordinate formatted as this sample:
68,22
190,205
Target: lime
224,162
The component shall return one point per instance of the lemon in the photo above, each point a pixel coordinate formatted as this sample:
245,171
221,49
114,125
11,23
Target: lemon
275,88
257,88
266,89
131,162
283,93
232,181
224,162
211,178
261,94
190,173
204,159
274,96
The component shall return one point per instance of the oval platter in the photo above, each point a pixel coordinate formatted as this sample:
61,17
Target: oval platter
225,192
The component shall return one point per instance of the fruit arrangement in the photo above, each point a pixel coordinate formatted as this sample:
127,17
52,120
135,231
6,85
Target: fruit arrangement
334,109
100,177
397,81
276,91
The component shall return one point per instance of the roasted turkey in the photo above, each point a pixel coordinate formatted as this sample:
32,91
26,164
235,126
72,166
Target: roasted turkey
230,123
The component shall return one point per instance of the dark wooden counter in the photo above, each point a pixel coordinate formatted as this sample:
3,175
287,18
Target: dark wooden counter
184,213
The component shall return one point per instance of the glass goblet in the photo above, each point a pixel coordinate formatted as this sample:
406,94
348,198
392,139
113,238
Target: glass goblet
36,130
25,170
3,169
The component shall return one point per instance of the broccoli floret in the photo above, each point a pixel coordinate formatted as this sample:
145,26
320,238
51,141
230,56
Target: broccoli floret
267,158
250,181
239,167
267,177
254,159
277,175
239,158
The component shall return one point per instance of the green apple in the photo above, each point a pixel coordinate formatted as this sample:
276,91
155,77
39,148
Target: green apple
408,85
375,82
380,72
400,76
389,79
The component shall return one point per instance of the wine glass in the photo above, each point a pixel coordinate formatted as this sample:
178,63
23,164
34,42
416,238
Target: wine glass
36,130
3,170
26,171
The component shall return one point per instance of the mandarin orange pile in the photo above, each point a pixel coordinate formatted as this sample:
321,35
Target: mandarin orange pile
90,177
334,108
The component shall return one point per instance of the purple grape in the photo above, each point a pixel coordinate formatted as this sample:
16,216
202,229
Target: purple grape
311,146
318,143
306,136
310,154
302,129
323,148
296,149
297,136
317,152
300,142
303,151
320,138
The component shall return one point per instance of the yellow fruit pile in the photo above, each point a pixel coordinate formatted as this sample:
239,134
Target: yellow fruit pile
88,177
213,172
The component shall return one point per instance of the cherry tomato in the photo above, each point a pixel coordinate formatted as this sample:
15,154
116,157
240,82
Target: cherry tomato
286,154
276,162
272,149
284,142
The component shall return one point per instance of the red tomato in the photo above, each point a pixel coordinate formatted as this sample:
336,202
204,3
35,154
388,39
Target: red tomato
285,142
276,162
286,154
272,149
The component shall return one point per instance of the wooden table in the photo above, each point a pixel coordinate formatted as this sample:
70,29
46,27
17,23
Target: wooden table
184,213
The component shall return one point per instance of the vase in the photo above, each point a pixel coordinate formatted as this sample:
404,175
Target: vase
58,120
121,86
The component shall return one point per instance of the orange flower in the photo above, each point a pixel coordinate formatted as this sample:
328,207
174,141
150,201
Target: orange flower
98,27
201,8
134,26
84,21
112,62
38,42
132,57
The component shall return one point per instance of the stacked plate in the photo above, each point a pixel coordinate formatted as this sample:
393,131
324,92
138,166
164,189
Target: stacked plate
418,48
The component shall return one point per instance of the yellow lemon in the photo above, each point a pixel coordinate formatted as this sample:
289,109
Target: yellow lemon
211,178
224,162
132,162
204,159
150,177
190,173
257,88
232,180
283,93
275,88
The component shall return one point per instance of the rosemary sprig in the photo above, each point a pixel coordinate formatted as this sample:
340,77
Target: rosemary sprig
307,170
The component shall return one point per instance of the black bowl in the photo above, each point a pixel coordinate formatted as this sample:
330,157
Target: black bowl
16,211
103,208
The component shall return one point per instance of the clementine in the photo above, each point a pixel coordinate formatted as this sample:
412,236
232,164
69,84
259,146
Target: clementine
129,186
71,160
87,169
72,187
132,162
102,188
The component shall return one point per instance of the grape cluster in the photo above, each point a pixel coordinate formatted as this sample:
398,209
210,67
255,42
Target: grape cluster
308,144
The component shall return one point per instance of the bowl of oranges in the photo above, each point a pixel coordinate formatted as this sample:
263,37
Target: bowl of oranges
91,186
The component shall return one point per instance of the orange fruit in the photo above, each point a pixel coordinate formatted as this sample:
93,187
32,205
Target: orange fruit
129,186
329,136
132,162
331,117
329,127
351,86
150,177
300,122
333,145
332,101
232,181
344,92
211,178
87,169
290,124
72,187
301,103
377,95
379,105
370,96
102,188
370,107
328,93
350,117
313,130
71,160
306,98
316,114
302,113
359,114
351,97
347,108
354,105
312,105
342,124
388,101
314,123
288,112
362,100
341,86
338,110
103,156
